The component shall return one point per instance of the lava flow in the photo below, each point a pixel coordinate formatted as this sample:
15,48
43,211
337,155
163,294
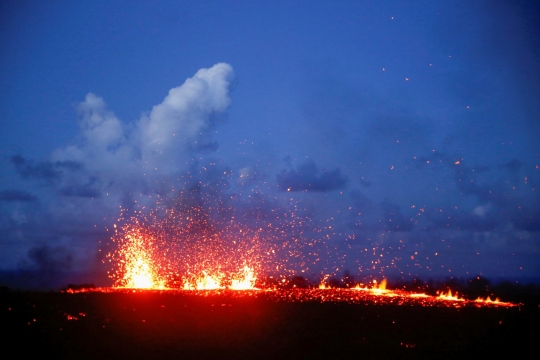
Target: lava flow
174,255
136,265
139,275
379,293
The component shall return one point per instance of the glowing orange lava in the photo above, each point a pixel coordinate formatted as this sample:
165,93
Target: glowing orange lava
185,253
208,282
246,282
140,268
488,301
449,296
376,289
136,265
182,248
322,285
139,276
138,271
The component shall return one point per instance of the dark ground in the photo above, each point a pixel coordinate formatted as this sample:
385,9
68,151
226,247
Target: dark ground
186,326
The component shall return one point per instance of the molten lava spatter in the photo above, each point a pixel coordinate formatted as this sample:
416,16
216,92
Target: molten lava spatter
246,281
243,280
376,289
209,282
136,267
171,248
139,275
449,296
184,252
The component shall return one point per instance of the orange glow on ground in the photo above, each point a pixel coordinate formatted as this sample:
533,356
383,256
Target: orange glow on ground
376,289
449,296
330,295
488,301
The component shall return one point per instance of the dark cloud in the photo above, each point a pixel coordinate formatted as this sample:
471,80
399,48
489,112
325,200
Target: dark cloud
28,169
479,180
16,195
526,217
529,223
46,170
85,188
48,258
306,177
86,191
361,202
513,165
362,211
481,219
498,196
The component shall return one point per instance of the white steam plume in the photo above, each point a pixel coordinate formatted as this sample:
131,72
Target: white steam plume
163,142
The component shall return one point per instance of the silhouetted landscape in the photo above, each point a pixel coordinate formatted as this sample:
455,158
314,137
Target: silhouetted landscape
228,324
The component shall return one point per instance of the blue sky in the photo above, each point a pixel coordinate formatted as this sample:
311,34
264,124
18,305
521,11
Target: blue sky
402,129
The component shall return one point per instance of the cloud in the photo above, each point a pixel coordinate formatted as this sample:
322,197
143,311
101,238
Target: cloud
481,210
16,195
480,219
306,177
48,258
183,121
79,191
529,221
499,196
513,165
133,158
46,170
110,164
360,201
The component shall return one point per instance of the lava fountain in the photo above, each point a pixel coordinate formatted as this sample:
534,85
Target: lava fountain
181,252
135,268
185,249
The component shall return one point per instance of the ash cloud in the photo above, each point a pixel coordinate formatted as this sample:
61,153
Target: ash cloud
307,177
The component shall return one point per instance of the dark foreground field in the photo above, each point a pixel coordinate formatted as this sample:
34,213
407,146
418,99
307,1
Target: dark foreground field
181,325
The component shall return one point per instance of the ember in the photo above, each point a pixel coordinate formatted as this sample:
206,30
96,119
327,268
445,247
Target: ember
172,249
165,253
